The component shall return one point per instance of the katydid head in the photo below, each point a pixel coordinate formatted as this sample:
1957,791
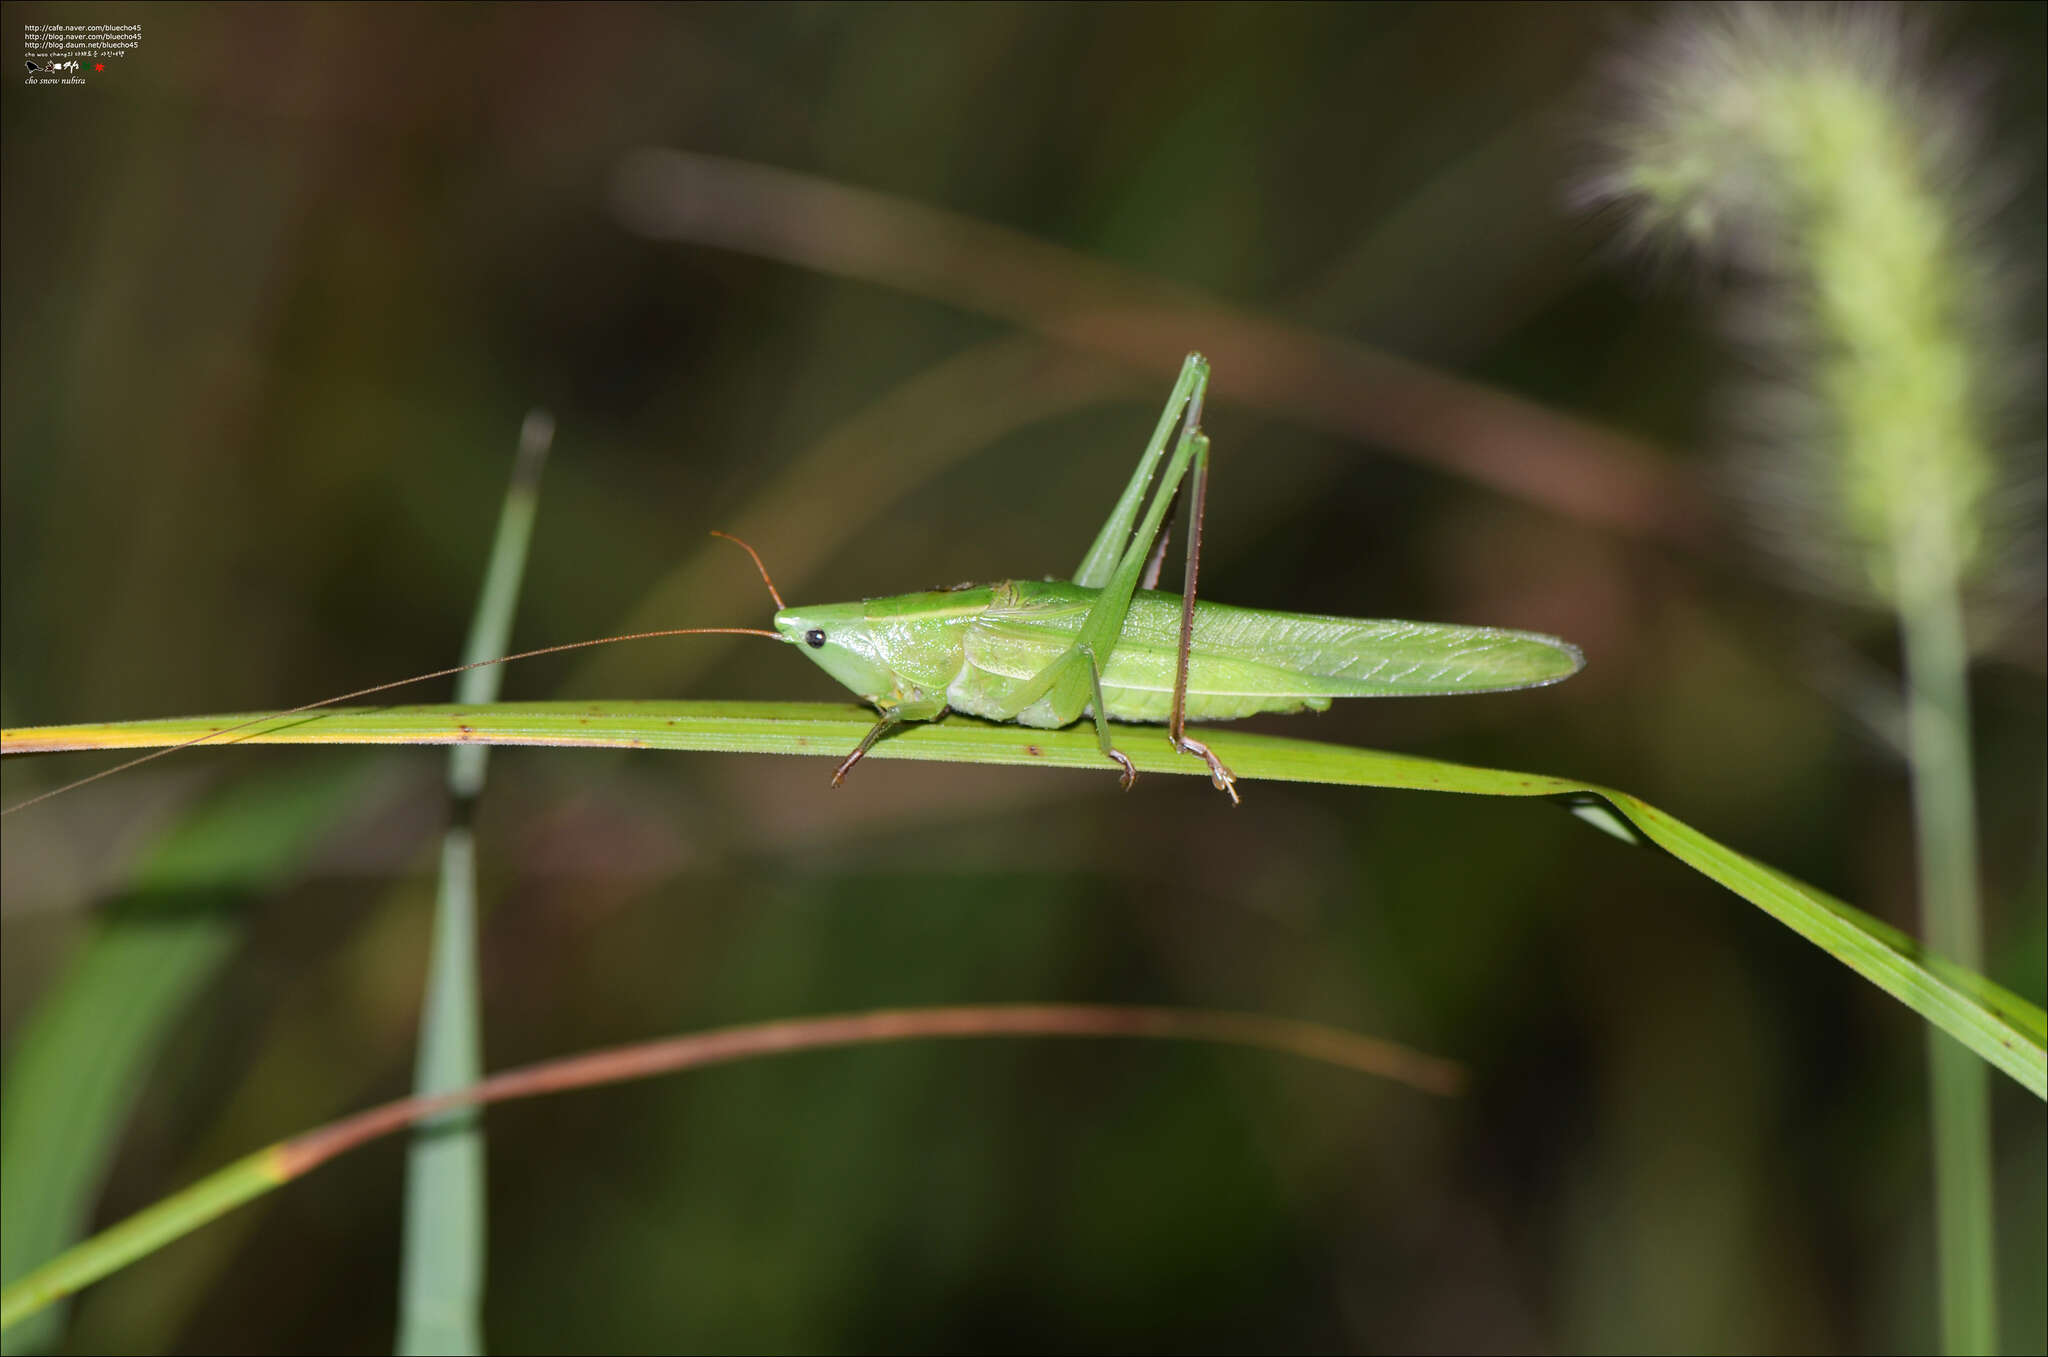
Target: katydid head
838,636
839,639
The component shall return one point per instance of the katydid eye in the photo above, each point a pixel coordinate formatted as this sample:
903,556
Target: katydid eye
815,638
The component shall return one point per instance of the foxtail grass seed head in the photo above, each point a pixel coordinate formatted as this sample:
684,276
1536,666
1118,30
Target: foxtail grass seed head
1807,151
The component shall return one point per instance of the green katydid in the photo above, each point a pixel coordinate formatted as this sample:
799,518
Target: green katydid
1105,645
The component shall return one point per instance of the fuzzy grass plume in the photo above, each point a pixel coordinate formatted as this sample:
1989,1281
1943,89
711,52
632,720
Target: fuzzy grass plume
1807,149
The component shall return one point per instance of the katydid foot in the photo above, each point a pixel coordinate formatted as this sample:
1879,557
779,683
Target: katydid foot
1220,777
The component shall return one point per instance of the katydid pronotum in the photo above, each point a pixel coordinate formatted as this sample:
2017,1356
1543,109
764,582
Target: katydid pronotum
1105,645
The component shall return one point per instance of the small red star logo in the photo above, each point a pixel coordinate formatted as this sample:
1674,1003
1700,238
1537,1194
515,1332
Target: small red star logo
99,65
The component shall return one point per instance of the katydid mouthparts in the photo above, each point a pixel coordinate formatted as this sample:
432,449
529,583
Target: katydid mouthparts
1105,645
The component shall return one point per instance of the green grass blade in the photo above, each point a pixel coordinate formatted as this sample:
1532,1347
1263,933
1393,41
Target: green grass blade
441,1277
441,1268
2003,1028
1998,1025
81,1061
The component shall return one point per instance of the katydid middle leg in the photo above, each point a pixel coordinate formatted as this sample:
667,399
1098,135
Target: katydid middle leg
1098,711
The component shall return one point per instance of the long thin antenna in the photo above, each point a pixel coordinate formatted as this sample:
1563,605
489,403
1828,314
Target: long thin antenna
772,592
395,683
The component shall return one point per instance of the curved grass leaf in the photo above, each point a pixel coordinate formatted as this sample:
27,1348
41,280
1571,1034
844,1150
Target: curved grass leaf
2006,1030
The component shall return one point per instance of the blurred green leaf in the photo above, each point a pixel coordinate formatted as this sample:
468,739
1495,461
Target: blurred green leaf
86,1051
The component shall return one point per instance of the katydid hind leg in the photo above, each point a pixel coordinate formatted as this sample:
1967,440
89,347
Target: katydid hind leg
1219,776
1114,539
1176,730
1105,621
1061,678
1150,579
1198,471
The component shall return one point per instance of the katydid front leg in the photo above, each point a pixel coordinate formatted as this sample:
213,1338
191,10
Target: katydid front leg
924,709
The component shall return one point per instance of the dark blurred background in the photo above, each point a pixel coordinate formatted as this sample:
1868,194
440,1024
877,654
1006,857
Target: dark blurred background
280,286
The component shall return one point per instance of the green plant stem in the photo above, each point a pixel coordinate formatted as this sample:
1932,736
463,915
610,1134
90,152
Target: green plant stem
1945,821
